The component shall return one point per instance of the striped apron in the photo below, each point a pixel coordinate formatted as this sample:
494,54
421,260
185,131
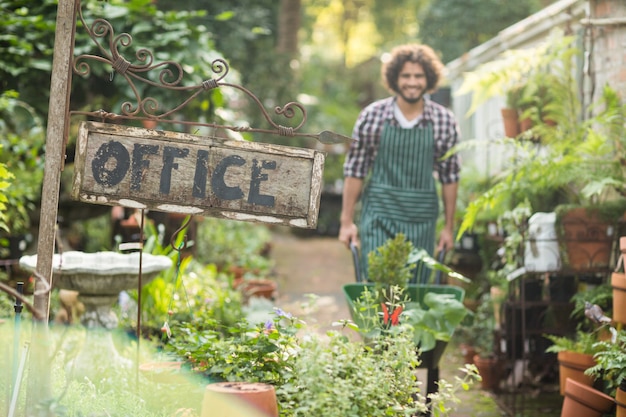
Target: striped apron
400,196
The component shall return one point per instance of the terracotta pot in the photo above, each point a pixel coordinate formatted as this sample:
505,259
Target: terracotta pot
583,401
238,272
149,124
489,370
226,399
618,282
620,400
572,365
264,288
525,124
510,119
586,239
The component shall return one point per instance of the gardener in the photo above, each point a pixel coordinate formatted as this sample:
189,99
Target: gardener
400,141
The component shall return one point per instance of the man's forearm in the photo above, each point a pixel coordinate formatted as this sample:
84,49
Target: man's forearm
449,194
351,192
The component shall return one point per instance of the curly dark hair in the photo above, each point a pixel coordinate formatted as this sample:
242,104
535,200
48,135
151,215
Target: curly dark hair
421,54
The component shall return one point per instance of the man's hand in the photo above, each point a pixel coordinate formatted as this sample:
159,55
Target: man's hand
349,233
446,240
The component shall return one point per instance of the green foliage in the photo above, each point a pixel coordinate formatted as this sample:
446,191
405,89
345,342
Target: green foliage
344,378
388,265
26,49
5,182
432,319
436,320
480,330
233,243
181,291
169,35
313,374
242,351
22,142
523,71
576,160
28,41
453,27
582,342
610,362
420,255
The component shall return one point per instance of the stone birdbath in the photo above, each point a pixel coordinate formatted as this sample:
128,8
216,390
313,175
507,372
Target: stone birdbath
99,278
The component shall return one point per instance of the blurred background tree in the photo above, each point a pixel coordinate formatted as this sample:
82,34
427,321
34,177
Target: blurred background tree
323,53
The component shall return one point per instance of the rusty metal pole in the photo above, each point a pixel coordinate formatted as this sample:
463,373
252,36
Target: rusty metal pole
57,129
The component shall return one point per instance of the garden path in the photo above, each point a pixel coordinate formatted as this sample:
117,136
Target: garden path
321,265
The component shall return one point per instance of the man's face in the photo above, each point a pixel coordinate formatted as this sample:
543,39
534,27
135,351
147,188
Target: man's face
412,82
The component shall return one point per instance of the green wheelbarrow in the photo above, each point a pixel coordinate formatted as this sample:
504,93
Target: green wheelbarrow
441,310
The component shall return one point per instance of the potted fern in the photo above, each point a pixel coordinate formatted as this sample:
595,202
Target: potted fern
610,367
575,355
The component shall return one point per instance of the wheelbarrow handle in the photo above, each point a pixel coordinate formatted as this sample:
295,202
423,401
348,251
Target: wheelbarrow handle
440,258
355,259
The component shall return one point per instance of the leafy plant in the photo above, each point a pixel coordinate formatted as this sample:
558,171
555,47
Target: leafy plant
229,243
478,330
610,360
389,265
339,378
582,342
433,318
575,160
22,145
436,320
5,182
259,352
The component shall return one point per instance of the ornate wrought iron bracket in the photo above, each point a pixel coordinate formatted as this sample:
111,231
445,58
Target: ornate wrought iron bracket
170,77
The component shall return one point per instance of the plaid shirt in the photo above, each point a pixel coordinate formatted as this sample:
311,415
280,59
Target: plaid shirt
368,128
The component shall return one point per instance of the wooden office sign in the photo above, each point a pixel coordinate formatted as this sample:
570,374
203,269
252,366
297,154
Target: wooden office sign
200,175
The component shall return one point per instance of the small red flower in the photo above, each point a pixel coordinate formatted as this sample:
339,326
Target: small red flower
395,315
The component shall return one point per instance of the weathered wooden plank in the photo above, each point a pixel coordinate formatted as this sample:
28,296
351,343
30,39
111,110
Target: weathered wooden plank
202,175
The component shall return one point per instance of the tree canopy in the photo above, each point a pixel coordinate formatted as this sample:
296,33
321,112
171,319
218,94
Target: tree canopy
453,27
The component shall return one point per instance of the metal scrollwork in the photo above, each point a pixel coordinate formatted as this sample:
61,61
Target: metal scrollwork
170,77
